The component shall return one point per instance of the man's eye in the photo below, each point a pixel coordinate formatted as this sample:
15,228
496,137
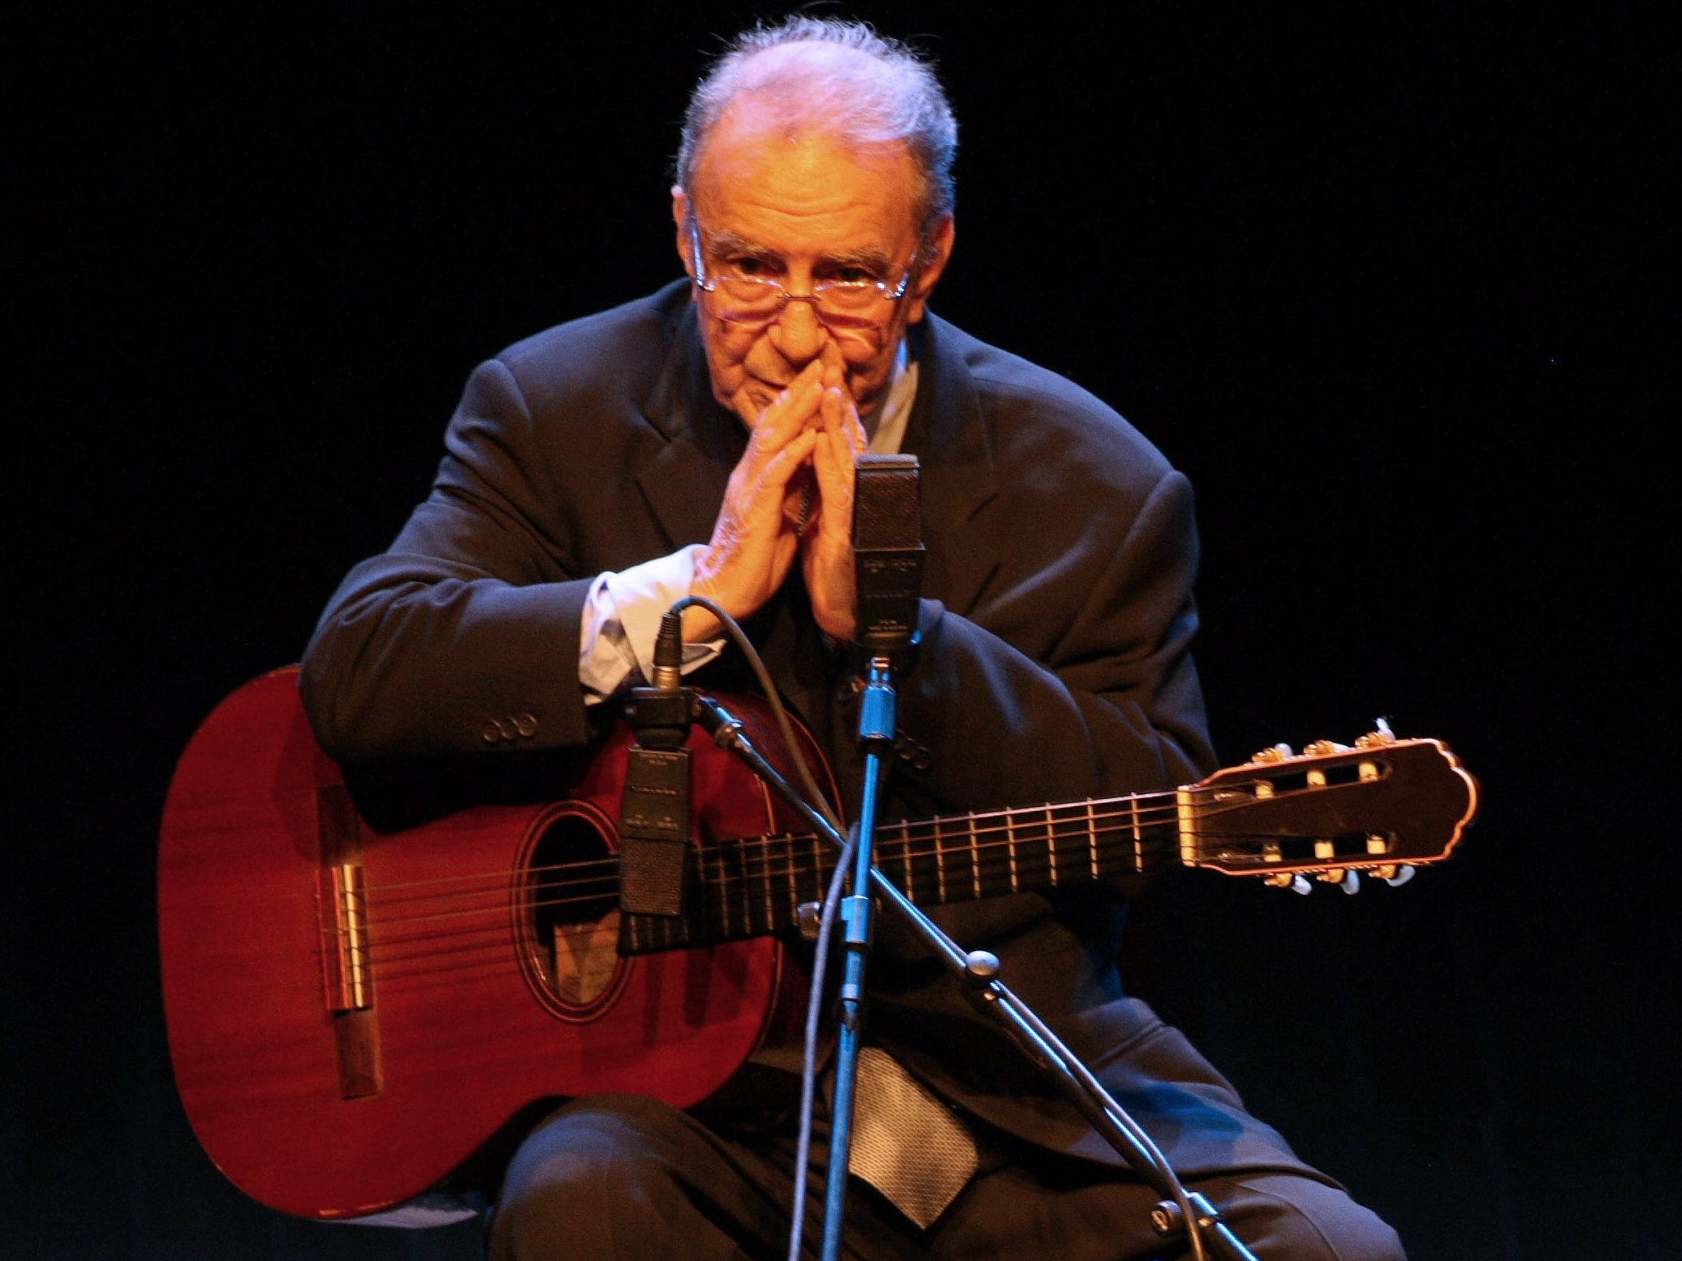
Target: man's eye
855,275
748,266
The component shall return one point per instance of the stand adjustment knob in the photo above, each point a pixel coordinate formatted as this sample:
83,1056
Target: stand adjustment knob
807,917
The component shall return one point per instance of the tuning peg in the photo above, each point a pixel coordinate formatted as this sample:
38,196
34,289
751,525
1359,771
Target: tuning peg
1379,736
1320,748
1402,876
1349,881
1290,880
1273,753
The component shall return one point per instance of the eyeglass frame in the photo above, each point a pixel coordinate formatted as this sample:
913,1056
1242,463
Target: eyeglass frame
706,285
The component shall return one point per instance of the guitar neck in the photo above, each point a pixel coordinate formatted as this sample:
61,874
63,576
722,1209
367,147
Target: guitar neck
1376,807
747,887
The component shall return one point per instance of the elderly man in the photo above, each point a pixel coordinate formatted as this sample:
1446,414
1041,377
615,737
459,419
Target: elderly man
702,440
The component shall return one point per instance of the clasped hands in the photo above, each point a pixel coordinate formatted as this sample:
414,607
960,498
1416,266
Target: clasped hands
791,494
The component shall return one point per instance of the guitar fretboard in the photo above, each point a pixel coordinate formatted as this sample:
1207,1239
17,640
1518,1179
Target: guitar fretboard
749,887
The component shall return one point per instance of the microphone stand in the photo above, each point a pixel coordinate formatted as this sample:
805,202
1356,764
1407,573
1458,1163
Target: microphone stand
888,577
875,735
977,973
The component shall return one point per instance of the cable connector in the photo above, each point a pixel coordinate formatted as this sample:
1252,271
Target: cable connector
668,653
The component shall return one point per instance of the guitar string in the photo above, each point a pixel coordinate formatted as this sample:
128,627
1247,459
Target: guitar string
755,877
890,836
437,964
502,954
735,884
1034,831
777,867
456,957
773,859
731,885
777,861
937,830
756,917
927,829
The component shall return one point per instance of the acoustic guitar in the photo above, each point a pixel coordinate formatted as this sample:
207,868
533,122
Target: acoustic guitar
352,1013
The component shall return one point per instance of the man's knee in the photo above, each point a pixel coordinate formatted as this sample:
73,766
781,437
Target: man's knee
1286,1217
598,1145
599,1164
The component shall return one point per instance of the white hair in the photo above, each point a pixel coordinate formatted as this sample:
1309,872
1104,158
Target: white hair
844,78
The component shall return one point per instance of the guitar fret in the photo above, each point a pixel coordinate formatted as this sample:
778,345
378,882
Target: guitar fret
1010,846
939,863
747,896
723,896
739,904
974,859
794,893
1138,838
1092,837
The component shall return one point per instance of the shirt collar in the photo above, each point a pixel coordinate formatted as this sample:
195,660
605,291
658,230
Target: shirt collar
886,426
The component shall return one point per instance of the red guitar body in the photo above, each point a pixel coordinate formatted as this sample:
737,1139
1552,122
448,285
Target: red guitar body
328,1087
354,1012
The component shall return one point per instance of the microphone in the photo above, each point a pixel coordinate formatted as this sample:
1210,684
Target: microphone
654,805
887,553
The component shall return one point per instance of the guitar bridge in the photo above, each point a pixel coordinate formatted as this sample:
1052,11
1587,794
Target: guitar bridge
345,958
347,973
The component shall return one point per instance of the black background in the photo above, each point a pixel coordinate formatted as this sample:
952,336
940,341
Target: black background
1376,281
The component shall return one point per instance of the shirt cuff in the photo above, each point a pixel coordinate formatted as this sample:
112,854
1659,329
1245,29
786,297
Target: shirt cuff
621,619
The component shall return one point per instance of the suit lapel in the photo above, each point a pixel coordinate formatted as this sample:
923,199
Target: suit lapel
683,479
950,436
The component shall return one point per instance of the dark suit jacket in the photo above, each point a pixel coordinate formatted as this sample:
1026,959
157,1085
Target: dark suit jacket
1056,620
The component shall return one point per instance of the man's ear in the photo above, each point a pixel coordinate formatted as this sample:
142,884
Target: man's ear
680,220
932,259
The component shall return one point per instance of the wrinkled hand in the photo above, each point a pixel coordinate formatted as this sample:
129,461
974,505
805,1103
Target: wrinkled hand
826,548
754,541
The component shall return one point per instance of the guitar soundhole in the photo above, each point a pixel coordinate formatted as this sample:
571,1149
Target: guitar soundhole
570,913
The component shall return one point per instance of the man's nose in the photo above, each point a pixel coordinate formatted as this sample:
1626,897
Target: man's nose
797,333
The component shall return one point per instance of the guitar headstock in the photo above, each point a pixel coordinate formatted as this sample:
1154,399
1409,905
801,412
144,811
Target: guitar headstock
1383,806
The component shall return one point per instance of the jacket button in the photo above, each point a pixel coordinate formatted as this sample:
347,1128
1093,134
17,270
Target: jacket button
493,732
526,724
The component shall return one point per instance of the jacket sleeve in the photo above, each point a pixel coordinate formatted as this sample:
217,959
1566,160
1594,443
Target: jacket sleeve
464,634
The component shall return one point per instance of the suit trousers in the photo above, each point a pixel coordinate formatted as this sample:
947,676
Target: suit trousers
623,1177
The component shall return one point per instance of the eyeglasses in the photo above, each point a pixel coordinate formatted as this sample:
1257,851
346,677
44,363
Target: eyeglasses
747,298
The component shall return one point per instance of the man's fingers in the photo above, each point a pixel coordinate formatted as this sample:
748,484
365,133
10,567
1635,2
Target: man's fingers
853,428
834,365
836,456
826,556
780,466
823,465
842,418
789,412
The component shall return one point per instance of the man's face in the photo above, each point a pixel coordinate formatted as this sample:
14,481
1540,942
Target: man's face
802,208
